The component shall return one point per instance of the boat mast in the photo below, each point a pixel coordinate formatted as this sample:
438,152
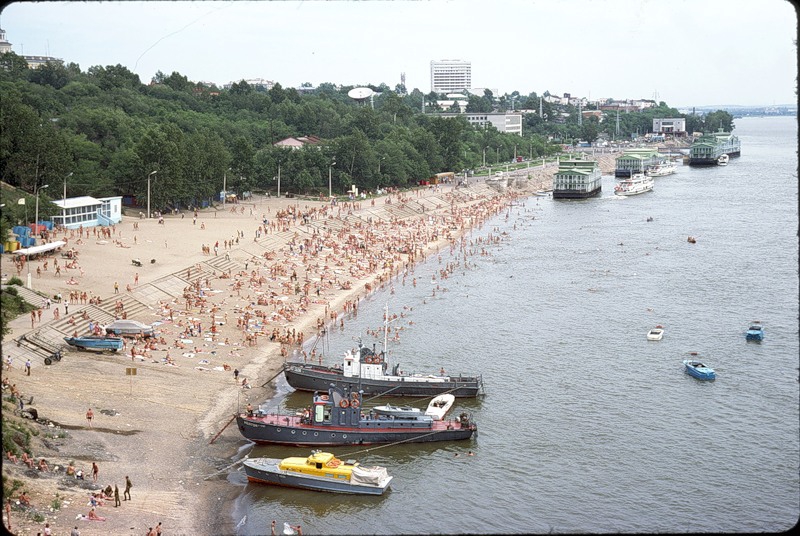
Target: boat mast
385,330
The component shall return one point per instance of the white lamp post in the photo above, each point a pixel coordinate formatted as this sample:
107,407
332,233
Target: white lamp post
484,155
36,219
330,189
36,232
148,192
279,180
64,206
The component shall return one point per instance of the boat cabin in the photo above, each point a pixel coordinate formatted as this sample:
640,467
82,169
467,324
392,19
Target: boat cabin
364,363
342,408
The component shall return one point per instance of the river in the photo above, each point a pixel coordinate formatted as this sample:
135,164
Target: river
586,426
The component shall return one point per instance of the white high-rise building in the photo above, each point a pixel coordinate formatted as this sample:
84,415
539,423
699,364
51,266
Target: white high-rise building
450,76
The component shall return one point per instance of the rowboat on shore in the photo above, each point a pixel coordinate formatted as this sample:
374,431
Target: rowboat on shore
91,342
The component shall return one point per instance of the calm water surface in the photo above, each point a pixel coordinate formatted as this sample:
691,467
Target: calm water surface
587,426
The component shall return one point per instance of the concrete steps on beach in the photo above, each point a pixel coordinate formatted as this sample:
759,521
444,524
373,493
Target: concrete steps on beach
133,307
221,264
96,314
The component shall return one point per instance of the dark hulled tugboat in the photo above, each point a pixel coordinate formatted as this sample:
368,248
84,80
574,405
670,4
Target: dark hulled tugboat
365,370
337,418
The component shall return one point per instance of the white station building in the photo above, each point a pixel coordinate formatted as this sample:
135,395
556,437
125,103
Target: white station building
88,211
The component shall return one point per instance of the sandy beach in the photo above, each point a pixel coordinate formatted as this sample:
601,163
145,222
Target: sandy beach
246,301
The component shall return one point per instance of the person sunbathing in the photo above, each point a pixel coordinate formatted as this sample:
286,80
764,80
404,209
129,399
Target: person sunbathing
27,459
24,500
10,455
43,465
70,469
94,517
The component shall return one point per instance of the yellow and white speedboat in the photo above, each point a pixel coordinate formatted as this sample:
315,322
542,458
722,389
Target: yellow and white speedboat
321,471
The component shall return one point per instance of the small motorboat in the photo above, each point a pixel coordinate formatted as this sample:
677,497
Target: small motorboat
91,342
755,332
398,412
723,160
655,334
439,406
691,240
321,471
699,370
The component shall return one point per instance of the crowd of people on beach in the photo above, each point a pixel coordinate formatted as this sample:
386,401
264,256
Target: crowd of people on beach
313,256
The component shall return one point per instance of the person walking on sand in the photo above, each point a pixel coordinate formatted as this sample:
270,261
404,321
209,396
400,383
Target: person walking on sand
116,287
95,471
28,367
116,496
90,416
127,495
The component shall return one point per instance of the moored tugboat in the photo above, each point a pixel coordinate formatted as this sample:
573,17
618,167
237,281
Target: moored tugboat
337,418
367,371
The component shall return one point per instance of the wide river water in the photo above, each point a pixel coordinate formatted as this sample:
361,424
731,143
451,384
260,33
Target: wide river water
585,425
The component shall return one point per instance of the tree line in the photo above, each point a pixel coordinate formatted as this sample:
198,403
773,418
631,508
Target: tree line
103,132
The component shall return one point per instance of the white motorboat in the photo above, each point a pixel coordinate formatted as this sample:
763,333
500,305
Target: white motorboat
638,183
439,406
655,334
723,160
662,170
398,412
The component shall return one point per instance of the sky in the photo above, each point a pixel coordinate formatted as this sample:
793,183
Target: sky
683,52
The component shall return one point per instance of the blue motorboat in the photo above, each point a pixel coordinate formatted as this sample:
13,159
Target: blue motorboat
699,370
92,342
755,332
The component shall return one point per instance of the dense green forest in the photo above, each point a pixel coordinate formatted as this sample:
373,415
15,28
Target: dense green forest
102,132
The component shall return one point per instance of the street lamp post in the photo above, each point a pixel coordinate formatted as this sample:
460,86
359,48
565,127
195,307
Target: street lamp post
148,192
330,183
36,219
279,180
64,201
497,155
484,155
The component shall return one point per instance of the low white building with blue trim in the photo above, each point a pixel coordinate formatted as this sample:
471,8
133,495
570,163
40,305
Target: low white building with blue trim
86,211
